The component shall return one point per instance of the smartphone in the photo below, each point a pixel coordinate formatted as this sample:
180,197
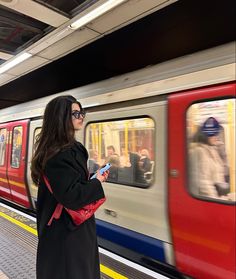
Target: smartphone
102,170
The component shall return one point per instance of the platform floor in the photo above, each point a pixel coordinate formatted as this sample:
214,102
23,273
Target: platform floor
18,242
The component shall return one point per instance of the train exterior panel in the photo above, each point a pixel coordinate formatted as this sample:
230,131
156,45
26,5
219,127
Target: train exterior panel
203,231
13,158
159,215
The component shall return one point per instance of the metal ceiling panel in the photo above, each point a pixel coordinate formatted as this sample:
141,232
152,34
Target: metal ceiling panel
6,77
36,11
29,26
29,65
126,13
5,56
18,31
69,7
70,43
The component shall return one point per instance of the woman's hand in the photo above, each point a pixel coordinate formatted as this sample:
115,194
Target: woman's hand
102,177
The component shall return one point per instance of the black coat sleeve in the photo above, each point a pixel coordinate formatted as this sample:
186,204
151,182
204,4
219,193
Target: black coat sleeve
69,181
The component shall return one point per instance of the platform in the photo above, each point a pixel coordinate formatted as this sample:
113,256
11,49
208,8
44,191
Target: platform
18,242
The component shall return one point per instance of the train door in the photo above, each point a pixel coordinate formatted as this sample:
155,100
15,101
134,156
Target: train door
34,130
16,163
202,181
4,186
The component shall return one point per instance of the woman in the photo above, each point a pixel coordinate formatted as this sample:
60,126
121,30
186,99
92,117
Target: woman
206,166
65,251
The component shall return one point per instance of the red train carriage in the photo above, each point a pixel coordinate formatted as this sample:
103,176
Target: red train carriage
13,152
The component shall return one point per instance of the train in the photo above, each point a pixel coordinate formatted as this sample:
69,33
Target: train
153,217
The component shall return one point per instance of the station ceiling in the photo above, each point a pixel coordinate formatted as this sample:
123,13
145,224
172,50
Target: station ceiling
132,35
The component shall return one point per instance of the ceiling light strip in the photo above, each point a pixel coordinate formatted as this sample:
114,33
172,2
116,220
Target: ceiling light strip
100,10
14,62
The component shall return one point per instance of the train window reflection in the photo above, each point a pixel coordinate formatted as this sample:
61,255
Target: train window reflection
16,146
128,145
36,133
211,149
3,134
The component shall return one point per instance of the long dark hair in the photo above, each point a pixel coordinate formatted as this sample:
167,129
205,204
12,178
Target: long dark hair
57,133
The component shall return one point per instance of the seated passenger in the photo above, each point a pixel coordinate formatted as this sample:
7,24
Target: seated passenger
93,165
138,174
112,156
17,145
145,162
115,164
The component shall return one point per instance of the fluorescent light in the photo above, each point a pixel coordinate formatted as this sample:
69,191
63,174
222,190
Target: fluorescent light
8,65
100,10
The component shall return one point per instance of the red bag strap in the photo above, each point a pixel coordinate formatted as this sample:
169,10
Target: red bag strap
58,210
47,184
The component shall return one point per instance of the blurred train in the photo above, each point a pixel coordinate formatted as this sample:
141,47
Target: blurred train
154,216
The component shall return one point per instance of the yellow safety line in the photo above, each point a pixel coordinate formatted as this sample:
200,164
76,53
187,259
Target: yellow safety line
18,223
111,273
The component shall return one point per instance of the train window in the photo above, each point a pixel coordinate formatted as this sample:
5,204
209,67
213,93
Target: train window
3,135
36,133
128,145
16,146
211,149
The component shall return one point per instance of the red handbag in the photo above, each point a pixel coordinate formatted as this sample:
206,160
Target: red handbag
78,216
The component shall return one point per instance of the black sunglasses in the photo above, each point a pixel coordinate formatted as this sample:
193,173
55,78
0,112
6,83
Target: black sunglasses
77,113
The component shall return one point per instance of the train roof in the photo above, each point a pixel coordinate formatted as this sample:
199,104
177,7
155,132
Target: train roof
207,67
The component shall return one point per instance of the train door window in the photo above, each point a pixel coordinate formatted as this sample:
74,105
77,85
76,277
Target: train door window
36,134
3,135
128,145
211,150
16,146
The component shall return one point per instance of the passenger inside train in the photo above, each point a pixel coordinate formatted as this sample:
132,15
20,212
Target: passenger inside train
17,145
205,162
93,164
128,146
210,141
2,145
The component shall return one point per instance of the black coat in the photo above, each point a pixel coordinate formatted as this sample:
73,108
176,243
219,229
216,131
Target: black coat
67,251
